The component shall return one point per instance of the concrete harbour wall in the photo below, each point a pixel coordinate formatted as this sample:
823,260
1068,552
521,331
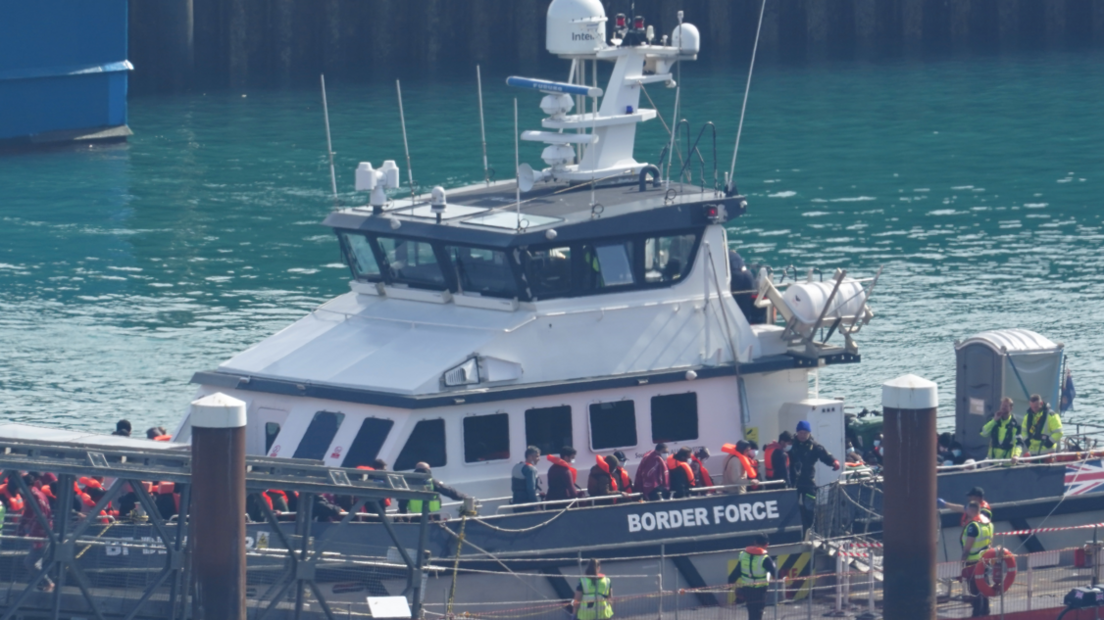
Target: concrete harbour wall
181,44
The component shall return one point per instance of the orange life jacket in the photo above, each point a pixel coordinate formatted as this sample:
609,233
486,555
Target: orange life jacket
626,484
768,454
707,480
749,468
13,500
163,438
605,467
555,460
673,463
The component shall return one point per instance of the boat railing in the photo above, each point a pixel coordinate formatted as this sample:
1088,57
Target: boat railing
567,503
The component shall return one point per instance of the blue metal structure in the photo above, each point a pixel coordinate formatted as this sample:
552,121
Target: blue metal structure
63,71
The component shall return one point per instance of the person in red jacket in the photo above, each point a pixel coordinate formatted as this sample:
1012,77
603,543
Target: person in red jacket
562,476
31,527
651,476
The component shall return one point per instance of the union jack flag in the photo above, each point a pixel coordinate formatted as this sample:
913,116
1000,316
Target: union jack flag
1086,477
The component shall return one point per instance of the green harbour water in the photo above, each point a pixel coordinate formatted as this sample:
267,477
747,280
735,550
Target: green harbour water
975,182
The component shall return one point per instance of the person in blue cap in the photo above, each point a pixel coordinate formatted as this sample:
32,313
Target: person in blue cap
803,459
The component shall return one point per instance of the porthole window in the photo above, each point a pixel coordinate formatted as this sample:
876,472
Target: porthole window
548,428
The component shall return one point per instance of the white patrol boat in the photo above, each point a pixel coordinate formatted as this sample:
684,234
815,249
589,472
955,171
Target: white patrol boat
587,303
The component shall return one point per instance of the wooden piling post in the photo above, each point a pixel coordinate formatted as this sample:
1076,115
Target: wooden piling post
218,507
910,529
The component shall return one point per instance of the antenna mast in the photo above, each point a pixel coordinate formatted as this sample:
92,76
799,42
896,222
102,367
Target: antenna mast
736,149
517,164
482,126
329,142
406,145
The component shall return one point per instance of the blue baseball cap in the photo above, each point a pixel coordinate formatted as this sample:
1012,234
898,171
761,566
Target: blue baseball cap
804,426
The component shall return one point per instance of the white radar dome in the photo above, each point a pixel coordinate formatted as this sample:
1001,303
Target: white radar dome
575,27
687,39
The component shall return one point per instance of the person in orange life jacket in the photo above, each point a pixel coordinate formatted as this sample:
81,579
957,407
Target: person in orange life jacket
10,496
803,459
31,527
600,482
681,475
652,478
562,476
751,576
702,479
346,502
873,456
739,470
976,494
777,458
438,486
157,433
624,483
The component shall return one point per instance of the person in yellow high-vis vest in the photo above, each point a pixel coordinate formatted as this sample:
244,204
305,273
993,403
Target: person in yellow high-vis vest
1042,428
977,537
1003,432
752,576
592,596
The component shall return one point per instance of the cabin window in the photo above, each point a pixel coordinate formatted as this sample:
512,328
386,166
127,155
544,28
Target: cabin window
412,262
548,428
272,429
483,271
668,259
549,273
426,443
360,256
486,438
368,441
675,417
607,264
319,435
613,425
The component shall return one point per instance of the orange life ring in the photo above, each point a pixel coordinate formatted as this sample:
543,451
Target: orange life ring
1003,572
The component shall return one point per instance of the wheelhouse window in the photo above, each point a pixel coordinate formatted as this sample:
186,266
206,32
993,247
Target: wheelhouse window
548,271
668,259
368,441
481,270
272,429
486,438
675,417
360,256
548,428
608,264
412,262
613,425
319,435
426,443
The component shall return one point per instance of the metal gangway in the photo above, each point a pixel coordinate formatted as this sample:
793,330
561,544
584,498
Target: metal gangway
141,567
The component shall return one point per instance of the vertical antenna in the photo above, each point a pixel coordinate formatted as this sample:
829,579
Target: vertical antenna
406,145
675,119
482,127
329,142
593,129
747,89
517,164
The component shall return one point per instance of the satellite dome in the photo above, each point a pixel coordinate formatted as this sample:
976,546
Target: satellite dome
575,27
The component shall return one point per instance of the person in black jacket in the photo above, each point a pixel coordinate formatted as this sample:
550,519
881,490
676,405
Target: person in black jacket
803,459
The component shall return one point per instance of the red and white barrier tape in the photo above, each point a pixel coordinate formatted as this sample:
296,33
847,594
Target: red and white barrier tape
1049,529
